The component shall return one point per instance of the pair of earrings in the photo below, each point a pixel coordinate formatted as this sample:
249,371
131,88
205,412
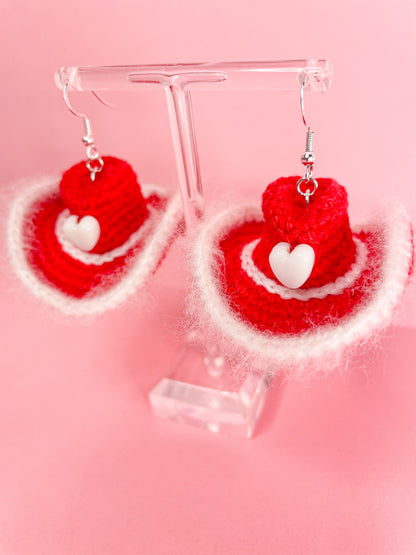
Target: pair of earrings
293,287
290,283
88,243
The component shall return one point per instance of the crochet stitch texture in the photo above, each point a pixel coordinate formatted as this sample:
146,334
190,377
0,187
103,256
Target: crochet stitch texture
114,199
323,224
137,224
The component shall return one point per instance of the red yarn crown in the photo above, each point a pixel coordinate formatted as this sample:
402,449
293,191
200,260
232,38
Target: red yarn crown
323,224
114,199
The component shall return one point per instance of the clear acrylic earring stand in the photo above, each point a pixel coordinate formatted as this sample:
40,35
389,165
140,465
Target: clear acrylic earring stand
198,389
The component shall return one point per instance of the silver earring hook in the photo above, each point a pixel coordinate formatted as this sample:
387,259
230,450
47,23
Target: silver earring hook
308,157
94,161
302,104
78,114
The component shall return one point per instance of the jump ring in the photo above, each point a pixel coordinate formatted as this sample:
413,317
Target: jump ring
95,165
308,192
92,152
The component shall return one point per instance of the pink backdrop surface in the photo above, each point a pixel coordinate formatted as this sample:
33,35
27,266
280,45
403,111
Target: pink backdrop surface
84,467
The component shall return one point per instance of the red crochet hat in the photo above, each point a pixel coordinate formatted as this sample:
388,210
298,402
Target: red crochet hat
114,198
90,244
295,281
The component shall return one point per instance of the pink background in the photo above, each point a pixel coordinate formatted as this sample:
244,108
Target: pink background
84,466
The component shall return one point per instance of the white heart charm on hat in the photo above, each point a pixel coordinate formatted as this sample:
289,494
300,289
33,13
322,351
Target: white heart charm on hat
83,233
292,269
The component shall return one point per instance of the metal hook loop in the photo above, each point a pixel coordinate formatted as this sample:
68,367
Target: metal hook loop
302,105
72,109
308,192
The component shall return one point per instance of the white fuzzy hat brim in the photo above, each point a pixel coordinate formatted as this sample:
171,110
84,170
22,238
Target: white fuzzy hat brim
132,281
297,354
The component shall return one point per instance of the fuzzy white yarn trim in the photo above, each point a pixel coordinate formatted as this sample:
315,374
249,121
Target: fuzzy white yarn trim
294,352
135,278
335,288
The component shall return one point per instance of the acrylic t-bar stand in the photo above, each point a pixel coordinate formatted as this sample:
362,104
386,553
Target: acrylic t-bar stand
199,390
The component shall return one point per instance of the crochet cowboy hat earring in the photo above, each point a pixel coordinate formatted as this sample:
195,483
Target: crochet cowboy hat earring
292,286
88,242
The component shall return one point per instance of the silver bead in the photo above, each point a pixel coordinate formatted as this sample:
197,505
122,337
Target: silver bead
308,158
88,139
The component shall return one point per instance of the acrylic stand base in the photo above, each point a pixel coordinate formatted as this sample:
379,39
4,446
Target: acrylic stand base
201,391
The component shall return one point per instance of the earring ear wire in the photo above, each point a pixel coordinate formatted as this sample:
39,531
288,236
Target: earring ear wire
94,161
308,157
86,247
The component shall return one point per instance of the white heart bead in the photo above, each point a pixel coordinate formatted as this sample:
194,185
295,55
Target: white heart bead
84,233
292,269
